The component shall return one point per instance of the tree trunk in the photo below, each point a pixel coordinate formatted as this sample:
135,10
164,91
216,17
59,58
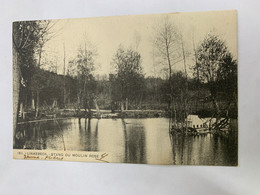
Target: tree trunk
22,110
54,104
186,86
175,113
64,78
78,101
97,108
169,60
33,101
16,91
198,75
40,56
84,94
37,104
216,106
186,113
126,104
68,97
122,106
141,99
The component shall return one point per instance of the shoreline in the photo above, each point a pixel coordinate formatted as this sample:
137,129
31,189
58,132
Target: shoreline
104,114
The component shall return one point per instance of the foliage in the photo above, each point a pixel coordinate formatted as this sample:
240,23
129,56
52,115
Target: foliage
128,80
128,85
211,55
28,37
217,69
81,68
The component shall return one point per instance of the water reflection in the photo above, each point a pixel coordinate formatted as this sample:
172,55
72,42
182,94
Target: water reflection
130,141
87,136
206,149
134,136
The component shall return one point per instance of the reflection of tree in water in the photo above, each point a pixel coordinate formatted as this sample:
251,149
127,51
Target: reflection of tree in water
135,151
88,138
181,149
50,135
20,138
228,147
31,136
204,149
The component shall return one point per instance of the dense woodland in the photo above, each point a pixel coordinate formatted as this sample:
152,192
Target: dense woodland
210,91
150,94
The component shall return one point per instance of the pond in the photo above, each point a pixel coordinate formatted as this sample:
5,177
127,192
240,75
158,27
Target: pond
130,141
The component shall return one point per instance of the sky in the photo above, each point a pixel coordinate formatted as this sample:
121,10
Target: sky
108,33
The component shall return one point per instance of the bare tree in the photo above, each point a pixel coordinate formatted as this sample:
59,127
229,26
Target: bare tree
46,34
166,42
137,40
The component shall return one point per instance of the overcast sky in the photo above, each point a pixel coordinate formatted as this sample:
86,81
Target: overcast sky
107,33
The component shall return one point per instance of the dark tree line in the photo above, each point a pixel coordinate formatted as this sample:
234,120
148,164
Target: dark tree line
28,40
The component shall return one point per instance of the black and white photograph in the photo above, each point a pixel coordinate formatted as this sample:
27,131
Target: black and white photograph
142,89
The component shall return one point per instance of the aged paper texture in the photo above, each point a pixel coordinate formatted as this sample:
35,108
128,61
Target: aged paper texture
147,89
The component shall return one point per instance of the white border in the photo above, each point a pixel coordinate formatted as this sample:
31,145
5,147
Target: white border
49,177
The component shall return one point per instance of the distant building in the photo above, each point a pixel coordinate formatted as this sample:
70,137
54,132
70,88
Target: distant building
195,121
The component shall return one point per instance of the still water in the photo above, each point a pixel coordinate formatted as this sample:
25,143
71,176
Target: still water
130,141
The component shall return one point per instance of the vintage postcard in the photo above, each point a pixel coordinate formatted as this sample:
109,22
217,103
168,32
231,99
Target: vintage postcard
147,89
